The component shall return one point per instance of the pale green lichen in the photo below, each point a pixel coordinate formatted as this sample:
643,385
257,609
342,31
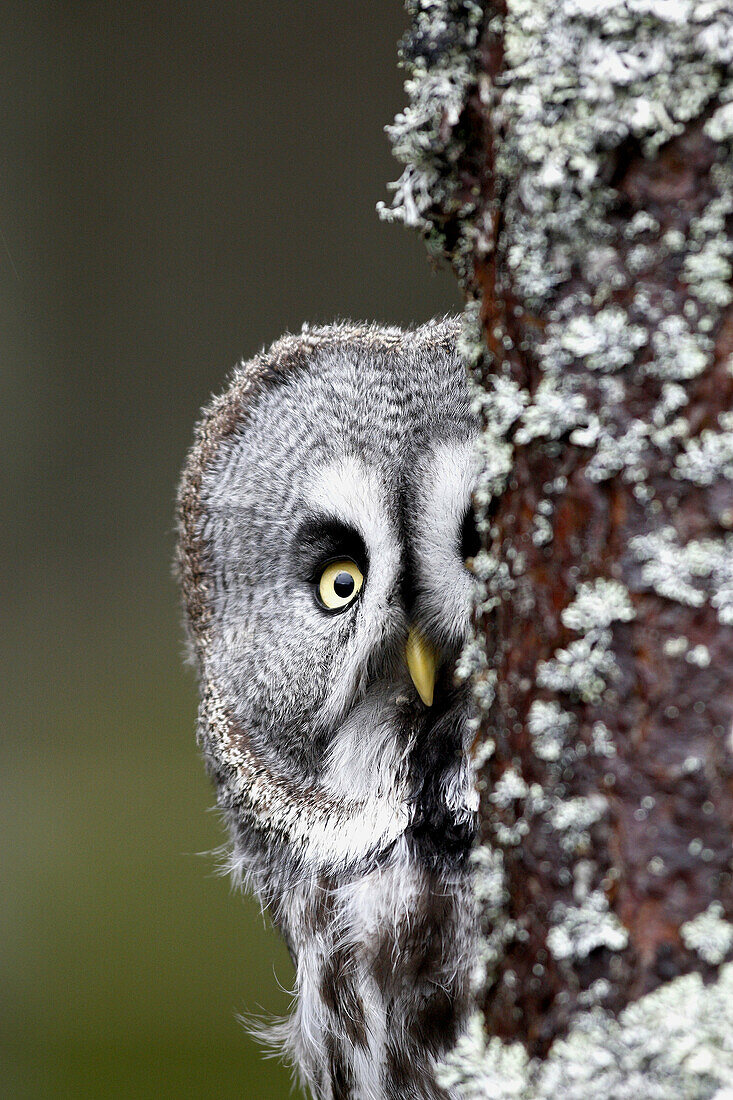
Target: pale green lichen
554,410
493,580
709,457
572,817
707,268
615,454
673,1044
709,934
485,1069
496,457
474,666
722,597
642,222
605,342
720,126
541,530
586,666
490,894
508,788
626,451
679,352
601,740
580,79
597,604
699,655
439,54
596,992
548,726
576,930
500,405
691,574
676,647
583,669
709,273
673,397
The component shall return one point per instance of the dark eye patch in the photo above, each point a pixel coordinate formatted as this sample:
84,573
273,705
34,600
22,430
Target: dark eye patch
319,539
470,543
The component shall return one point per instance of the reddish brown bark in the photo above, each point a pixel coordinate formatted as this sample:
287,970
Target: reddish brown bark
670,785
659,851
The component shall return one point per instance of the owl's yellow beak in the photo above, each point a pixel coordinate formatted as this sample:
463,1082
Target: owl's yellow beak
422,661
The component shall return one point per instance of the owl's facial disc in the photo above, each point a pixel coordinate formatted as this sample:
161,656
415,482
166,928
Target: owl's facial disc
337,595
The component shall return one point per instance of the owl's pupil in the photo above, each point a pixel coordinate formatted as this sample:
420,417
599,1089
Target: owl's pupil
343,585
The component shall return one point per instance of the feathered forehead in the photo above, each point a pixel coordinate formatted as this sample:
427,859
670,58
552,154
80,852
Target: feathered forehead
228,414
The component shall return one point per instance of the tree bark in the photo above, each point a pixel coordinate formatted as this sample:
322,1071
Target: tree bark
572,160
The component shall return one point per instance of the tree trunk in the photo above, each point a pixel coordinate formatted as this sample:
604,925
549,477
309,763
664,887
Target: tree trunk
572,159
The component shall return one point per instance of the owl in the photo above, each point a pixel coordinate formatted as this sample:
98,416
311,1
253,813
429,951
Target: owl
325,523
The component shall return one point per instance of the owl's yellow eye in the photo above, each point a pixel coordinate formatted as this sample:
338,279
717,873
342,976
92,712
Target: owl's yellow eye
340,583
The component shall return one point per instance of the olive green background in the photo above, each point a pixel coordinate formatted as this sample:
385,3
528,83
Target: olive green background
179,183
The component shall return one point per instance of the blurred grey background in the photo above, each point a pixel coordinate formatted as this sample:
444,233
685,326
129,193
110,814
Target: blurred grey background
179,183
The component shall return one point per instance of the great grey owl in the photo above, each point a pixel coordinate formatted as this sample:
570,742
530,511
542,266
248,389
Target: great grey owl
324,525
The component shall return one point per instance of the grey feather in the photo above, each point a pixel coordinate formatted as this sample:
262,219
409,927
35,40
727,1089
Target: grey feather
350,804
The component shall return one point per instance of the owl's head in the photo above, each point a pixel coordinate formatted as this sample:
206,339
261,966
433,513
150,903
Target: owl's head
325,521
